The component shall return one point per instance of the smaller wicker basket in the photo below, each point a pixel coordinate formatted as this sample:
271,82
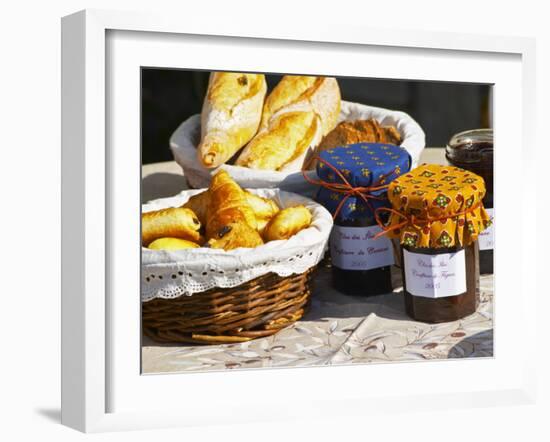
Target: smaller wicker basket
254,309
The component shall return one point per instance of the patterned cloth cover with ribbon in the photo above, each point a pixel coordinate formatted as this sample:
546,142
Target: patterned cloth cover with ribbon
364,166
436,206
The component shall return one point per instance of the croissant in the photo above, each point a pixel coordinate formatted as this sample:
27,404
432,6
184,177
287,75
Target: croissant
176,222
263,208
172,244
227,209
199,203
296,115
235,234
230,115
287,223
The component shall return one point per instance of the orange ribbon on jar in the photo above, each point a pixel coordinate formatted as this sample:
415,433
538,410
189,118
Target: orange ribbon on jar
346,188
413,220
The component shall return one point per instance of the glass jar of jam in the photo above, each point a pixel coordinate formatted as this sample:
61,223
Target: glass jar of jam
353,183
426,298
473,150
354,272
438,215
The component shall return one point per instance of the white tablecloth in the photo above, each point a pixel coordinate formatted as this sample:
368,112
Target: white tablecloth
336,329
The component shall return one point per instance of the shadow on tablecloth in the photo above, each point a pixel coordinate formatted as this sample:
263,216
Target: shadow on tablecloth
161,185
340,330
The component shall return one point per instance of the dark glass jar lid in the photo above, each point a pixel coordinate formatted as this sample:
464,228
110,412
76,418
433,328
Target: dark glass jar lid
471,146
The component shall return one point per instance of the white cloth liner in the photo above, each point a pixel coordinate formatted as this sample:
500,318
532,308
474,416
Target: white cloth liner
185,139
170,274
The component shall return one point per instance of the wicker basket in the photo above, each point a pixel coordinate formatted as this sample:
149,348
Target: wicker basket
257,308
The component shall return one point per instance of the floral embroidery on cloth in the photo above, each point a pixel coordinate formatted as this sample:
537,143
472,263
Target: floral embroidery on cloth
443,206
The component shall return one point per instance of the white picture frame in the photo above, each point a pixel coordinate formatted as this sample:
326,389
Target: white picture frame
101,389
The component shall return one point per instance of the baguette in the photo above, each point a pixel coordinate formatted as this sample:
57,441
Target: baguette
230,115
286,138
296,115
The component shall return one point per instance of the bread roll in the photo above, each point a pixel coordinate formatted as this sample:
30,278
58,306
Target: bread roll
172,244
231,113
296,115
176,222
287,223
360,131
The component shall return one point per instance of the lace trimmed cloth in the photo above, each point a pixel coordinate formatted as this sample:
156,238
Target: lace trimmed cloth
170,274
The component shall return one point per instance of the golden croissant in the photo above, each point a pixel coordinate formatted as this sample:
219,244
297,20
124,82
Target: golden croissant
198,204
263,208
228,214
235,234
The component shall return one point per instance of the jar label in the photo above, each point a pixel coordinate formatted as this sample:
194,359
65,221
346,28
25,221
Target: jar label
355,248
435,276
486,238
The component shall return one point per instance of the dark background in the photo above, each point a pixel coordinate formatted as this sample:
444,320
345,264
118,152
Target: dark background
442,109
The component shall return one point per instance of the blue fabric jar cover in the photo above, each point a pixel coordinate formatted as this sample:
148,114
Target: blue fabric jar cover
363,165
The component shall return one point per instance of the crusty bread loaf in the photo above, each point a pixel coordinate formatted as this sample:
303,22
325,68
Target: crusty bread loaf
231,113
360,131
285,139
304,93
296,115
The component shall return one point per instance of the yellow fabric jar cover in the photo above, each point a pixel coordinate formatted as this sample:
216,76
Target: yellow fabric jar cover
437,206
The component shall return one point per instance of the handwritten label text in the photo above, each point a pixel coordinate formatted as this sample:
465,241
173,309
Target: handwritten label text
435,276
355,248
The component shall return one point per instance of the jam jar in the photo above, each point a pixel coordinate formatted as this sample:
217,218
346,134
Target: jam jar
438,215
353,184
421,301
357,274
473,150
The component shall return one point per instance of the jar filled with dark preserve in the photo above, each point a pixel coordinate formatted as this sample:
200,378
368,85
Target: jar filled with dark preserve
446,308
473,150
361,263
438,215
358,277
